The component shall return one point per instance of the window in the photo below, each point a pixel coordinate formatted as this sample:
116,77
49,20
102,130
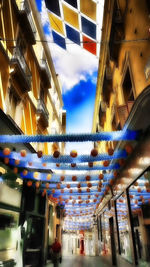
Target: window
127,87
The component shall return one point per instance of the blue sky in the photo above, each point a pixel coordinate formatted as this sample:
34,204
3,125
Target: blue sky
77,70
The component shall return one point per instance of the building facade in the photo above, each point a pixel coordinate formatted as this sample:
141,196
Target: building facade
122,98
30,103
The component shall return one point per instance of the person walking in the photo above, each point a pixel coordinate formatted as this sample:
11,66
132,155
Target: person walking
56,252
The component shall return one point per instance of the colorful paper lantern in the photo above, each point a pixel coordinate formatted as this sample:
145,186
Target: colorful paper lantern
94,152
6,151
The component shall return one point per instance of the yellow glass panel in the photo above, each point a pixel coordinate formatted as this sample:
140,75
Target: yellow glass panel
71,16
88,8
56,23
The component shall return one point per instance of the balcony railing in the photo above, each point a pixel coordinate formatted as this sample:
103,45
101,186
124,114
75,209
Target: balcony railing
45,73
21,70
43,112
27,22
123,112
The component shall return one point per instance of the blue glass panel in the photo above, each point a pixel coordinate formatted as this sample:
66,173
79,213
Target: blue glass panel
72,2
53,5
59,40
88,27
73,35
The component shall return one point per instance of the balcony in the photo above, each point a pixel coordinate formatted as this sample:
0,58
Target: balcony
123,112
26,22
45,74
43,112
20,70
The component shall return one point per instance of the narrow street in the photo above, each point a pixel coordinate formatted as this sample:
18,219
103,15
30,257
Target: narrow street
81,261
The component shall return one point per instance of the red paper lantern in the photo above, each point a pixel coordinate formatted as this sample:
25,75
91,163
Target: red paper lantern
94,152
62,178
73,165
56,154
70,197
110,151
139,190
23,153
6,151
73,153
88,190
58,186
95,200
37,184
79,185
53,191
62,191
29,183
44,164
96,195
79,190
74,178
100,184
106,163
115,174
128,148
68,185
131,196
90,164
121,162
71,191
148,190
88,178
47,185
44,193
87,201
6,160
17,162
40,154
57,165
66,201
111,181
99,189
89,185
79,197
25,172
101,176
89,196
147,184
15,170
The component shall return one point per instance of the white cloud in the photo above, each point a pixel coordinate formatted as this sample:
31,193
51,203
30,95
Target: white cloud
44,14
73,65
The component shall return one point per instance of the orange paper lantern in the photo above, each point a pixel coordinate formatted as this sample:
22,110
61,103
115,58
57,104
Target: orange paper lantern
89,185
101,176
25,172
23,153
110,151
53,191
73,153
15,170
57,165
62,178
6,160
37,184
68,185
106,163
29,183
35,175
48,177
17,162
79,185
6,151
58,186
